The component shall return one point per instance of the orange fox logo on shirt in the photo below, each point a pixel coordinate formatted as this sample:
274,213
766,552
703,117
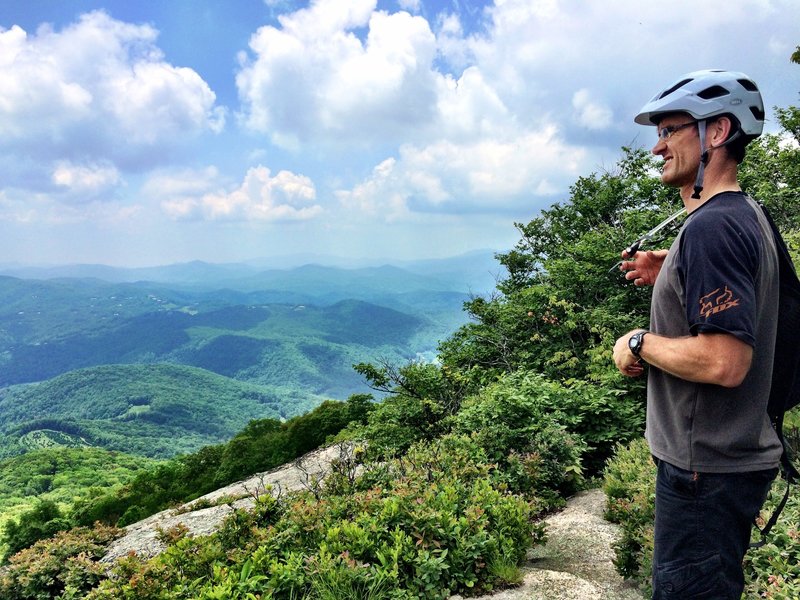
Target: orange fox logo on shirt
717,301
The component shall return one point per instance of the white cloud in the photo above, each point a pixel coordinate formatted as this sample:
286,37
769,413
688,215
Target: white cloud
260,197
450,41
383,192
100,88
509,121
314,78
591,113
88,179
480,176
471,108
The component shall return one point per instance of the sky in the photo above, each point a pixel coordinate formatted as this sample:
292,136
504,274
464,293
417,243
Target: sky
160,131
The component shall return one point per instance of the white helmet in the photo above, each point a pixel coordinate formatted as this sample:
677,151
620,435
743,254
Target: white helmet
704,95
710,93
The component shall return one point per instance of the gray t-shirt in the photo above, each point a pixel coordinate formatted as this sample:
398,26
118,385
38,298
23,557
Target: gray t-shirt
721,275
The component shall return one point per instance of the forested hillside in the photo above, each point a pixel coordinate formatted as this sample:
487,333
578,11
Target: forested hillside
58,476
149,410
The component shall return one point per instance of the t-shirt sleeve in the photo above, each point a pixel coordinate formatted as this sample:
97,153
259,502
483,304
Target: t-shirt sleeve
719,258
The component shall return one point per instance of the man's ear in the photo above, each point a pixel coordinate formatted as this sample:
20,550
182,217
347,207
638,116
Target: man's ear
719,130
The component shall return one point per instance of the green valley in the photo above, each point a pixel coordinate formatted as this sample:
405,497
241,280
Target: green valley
149,410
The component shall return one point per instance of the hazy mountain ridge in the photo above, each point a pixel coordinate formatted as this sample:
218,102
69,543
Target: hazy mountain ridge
474,272
233,341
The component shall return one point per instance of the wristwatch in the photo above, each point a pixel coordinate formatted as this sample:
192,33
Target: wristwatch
636,341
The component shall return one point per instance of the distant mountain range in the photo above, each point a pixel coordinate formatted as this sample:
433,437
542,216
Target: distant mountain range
474,272
291,334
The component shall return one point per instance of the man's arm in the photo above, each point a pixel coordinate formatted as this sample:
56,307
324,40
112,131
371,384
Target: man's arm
717,358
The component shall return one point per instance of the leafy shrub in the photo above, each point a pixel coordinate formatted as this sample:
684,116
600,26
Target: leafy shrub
42,521
64,566
773,570
422,397
514,413
423,526
629,484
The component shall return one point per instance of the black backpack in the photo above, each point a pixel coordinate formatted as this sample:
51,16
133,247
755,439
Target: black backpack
785,392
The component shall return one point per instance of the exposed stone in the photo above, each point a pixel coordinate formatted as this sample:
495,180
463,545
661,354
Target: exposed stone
143,537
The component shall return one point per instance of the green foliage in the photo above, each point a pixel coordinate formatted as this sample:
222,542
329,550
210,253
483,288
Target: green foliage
262,445
422,397
771,171
629,484
151,410
57,476
509,415
427,525
773,570
62,567
44,520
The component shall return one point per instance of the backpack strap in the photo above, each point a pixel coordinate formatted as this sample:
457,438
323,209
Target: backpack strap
788,390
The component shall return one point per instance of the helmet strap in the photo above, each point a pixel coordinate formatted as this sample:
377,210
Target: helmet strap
698,182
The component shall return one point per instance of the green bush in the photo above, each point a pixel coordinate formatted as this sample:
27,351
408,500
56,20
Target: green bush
42,521
513,414
426,525
421,398
262,445
771,571
629,484
64,566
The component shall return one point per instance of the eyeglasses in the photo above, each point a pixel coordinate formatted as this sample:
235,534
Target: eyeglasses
666,132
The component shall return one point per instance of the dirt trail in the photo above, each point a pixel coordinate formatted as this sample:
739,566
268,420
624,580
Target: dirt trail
576,562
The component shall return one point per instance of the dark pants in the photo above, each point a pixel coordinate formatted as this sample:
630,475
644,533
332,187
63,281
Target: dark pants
702,531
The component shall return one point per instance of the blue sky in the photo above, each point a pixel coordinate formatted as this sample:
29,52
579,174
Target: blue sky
152,132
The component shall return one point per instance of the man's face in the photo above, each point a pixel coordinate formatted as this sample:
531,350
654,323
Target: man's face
680,150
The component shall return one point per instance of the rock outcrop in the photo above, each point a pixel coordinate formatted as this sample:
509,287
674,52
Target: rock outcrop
204,515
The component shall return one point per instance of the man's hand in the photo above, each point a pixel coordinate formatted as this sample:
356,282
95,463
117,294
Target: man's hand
626,362
645,266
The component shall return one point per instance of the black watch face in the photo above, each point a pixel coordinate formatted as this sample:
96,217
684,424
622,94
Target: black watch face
634,342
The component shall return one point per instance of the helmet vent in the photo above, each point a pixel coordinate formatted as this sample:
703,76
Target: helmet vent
757,113
748,85
680,84
715,91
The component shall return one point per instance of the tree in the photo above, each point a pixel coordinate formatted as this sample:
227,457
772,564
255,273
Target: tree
43,521
560,307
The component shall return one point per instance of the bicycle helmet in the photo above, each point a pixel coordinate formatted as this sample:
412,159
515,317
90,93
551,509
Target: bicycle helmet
704,95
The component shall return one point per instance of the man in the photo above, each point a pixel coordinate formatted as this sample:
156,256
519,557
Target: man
711,341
